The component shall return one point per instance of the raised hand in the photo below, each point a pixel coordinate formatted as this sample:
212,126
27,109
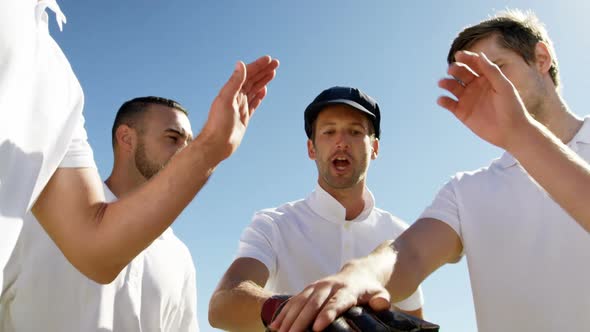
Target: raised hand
487,102
235,104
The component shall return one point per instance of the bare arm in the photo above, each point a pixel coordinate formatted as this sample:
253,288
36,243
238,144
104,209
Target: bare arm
491,107
236,303
100,238
391,273
559,170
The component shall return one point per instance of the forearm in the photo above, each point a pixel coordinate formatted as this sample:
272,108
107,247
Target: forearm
237,307
131,223
390,268
100,239
559,170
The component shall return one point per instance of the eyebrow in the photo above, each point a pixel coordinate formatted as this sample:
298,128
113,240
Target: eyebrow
181,133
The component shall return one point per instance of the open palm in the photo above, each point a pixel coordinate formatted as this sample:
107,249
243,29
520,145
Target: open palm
236,102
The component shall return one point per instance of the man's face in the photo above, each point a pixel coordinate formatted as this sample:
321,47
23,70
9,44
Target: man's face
165,131
342,147
527,79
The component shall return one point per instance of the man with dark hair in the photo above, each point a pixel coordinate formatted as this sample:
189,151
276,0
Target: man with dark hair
528,254
131,109
156,291
287,247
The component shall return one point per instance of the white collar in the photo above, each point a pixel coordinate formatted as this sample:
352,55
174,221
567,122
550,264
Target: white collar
582,136
325,205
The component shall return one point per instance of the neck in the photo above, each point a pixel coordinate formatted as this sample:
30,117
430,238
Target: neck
559,120
350,198
121,182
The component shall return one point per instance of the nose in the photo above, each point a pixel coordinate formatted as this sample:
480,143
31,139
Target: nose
342,140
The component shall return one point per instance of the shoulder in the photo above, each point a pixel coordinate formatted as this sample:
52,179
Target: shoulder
386,217
479,176
176,248
283,212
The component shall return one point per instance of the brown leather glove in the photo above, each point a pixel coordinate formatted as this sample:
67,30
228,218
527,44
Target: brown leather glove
357,319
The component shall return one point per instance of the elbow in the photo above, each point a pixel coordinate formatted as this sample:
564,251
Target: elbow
95,268
215,314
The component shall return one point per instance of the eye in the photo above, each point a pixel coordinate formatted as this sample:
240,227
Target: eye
174,139
328,132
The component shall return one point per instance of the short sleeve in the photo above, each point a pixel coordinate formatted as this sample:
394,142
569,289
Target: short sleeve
444,208
257,241
413,302
79,153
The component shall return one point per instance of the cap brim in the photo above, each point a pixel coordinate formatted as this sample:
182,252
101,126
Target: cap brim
350,103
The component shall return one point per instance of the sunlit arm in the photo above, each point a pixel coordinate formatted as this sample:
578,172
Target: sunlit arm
558,169
237,302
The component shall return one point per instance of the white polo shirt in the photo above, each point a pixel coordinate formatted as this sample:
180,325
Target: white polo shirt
306,240
41,105
44,292
529,261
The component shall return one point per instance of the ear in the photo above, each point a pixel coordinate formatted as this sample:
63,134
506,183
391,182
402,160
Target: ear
311,149
375,148
543,58
126,138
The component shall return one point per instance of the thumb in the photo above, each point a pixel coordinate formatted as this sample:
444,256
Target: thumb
380,301
235,82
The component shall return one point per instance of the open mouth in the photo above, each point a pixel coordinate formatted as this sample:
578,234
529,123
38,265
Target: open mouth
341,163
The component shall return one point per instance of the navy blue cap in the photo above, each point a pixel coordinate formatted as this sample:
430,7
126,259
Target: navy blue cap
343,95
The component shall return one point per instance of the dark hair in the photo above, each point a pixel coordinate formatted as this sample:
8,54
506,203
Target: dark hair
130,112
516,30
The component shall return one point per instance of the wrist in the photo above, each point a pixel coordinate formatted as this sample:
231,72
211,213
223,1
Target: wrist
524,136
520,133
207,150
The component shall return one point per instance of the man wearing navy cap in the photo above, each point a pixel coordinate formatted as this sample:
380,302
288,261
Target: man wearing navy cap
286,248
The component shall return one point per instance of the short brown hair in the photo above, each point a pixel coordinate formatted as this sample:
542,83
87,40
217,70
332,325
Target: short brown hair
517,31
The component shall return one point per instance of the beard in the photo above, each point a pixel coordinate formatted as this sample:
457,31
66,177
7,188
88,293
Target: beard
535,100
144,165
341,182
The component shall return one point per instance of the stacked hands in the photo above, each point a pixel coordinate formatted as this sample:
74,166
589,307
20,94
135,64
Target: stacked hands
357,318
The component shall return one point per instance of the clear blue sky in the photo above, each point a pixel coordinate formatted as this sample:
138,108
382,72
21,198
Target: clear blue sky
393,50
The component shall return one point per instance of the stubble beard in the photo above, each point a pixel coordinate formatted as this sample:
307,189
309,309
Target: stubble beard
145,167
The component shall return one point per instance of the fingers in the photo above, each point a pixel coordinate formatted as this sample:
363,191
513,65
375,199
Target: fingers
312,308
260,72
255,101
234,84
254,86
380,301
452,86
291,310
338,304
258,64
462,73
482,65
